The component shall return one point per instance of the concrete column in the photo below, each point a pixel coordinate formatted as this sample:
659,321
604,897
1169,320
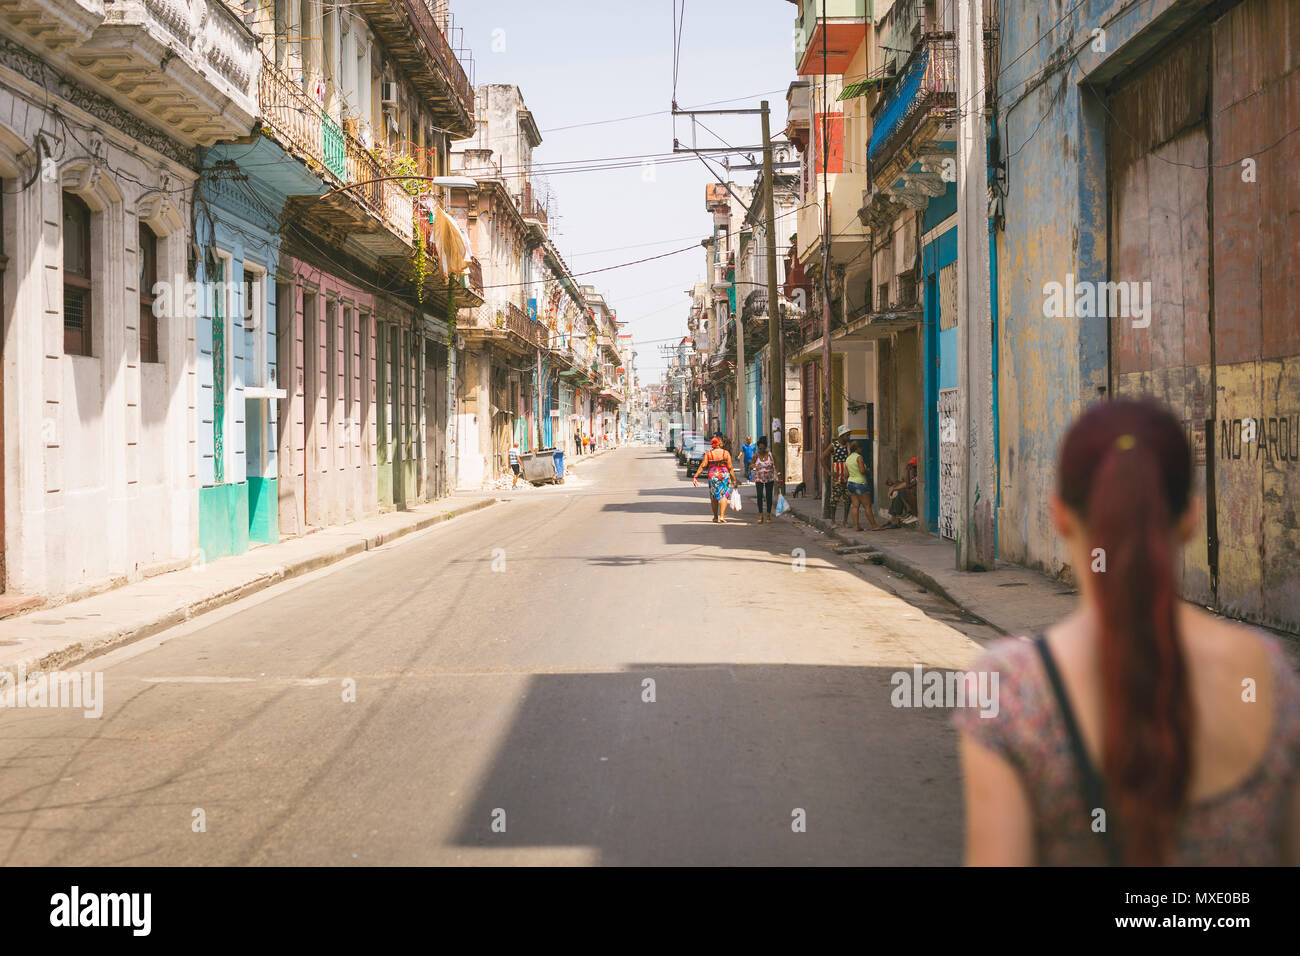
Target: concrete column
975,534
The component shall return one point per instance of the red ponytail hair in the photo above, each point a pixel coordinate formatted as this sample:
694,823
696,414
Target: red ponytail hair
1126,472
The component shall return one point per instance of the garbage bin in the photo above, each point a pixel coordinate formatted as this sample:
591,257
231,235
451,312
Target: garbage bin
559,464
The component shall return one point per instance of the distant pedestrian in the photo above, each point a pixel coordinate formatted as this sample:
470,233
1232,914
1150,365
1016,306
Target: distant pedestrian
765,477
586,444
722,478
859,486
837,472
514,464
1140,730
748,450
577,442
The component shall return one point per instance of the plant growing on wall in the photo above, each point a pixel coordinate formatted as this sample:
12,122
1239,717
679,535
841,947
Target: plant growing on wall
407,166
451,319
419,258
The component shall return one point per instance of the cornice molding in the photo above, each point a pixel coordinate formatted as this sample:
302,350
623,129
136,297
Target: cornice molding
35,70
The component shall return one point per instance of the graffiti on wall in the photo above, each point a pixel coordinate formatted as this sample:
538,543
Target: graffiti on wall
1273,438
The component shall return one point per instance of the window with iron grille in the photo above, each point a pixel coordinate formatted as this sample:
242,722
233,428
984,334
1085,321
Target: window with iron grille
148,255
77,300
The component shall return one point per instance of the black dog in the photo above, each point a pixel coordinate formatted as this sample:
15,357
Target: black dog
799,489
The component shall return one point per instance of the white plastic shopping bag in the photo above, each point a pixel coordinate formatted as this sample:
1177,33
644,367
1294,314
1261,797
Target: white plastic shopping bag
735,499
782,506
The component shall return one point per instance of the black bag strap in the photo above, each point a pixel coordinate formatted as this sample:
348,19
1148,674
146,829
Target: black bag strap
1094,788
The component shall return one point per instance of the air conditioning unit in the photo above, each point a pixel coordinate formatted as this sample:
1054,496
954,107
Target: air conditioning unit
388,94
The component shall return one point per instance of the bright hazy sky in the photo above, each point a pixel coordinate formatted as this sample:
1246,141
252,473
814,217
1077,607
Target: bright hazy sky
579,62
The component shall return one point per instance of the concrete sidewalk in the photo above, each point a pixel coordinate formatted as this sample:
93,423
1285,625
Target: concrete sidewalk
1013,599
64,635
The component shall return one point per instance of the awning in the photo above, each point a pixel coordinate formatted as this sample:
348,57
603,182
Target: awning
863,87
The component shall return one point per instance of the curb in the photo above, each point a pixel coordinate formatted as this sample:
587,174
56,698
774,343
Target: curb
907,569
89,647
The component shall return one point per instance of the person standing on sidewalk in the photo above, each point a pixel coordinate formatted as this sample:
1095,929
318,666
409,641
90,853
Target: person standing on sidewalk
514,464
586,444
765,477
748,450
837,473
859,486
1140,730
722,478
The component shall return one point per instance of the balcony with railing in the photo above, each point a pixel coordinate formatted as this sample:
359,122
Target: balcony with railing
530,206
300,125
920,106
508,327
530,331
844,25
206,89
357,199
387,200
414,36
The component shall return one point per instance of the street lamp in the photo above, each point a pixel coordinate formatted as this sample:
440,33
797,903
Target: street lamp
453,182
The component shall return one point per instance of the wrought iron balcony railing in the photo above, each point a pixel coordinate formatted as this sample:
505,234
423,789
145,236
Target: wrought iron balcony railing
386,199
927,82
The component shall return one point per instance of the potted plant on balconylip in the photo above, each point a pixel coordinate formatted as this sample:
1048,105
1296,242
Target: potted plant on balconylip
406,165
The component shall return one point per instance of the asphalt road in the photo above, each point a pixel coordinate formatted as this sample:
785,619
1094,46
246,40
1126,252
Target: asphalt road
499,666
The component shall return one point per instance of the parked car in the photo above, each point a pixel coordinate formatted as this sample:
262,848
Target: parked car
684,444
695,454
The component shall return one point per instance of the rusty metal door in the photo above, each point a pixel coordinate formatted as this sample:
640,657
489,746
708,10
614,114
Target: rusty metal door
1198,148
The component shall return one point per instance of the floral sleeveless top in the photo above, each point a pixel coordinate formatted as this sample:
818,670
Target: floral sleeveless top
1246,825
764,468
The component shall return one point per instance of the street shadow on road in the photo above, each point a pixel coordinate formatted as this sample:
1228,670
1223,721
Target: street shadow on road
717,768
653,507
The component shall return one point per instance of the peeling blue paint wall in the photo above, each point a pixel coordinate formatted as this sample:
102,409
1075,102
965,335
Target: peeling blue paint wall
1052,125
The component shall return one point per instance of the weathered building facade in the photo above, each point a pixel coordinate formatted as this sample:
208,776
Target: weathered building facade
99,158
529,358
1158,154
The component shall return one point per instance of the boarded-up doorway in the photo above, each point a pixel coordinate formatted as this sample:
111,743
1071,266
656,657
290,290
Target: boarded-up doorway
1205,211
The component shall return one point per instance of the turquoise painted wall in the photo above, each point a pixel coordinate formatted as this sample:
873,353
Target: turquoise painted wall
223,520
263,510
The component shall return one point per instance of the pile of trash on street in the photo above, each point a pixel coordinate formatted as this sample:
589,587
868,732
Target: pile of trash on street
504,482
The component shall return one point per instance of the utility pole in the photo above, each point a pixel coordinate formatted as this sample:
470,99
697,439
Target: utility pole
975,530
776,380
775,337
827,511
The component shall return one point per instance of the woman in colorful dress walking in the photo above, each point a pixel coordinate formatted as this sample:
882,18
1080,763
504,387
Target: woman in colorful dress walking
722,478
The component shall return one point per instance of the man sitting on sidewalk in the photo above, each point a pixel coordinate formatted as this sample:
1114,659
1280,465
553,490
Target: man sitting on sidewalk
902,498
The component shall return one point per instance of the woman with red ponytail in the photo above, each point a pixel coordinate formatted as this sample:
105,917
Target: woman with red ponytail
1140,730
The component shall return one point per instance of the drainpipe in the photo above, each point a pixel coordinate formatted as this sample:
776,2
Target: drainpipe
997,431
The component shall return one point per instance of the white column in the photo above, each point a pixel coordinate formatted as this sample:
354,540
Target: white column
975,537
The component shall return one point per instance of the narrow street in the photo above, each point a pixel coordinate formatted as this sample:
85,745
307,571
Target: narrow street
501,663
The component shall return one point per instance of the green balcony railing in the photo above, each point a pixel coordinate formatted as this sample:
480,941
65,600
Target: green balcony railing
336,159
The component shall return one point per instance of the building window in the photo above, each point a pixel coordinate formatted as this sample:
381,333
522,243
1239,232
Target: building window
148,254
255,328
76,276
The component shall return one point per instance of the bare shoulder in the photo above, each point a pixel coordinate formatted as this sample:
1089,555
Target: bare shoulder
1220,642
